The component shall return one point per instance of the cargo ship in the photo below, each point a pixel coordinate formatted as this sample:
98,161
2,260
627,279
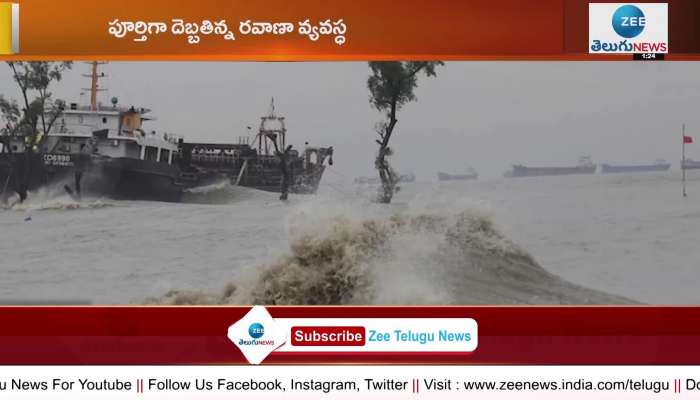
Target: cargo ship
99,151
106,151
366,180
407,177
585,166
256,164
657,166
690,164
470,175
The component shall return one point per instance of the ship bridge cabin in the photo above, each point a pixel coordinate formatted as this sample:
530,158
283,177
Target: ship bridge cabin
116,132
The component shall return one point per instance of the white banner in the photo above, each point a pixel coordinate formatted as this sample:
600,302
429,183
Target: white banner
349,382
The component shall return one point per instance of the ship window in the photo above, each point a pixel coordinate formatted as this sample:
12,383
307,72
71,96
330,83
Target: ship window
104,120
151,153
164,155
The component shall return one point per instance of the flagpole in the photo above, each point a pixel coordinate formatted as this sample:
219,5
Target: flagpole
683,162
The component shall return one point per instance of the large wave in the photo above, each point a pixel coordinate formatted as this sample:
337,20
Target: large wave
52,198
400,258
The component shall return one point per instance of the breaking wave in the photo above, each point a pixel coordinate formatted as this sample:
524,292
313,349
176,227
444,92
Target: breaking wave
399,258
214,187
222,192
47,199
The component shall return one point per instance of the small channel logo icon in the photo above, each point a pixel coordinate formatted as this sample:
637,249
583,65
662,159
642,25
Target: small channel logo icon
628,28
628,21
9,28
257,335
256,330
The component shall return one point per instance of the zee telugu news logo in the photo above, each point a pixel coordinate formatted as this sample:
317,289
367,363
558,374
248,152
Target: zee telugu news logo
256,331
628,28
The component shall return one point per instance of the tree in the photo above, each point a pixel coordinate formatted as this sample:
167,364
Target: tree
391,85
36,115
11,115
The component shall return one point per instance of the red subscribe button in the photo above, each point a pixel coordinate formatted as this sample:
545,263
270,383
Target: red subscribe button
328,336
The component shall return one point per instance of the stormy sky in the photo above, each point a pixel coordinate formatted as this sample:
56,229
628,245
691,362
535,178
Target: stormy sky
487,115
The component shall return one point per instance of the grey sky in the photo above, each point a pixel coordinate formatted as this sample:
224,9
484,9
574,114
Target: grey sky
484,114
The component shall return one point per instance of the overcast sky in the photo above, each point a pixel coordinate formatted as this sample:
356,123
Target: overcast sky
482,114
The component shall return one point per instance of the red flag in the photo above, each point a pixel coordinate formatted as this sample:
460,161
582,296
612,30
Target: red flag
687,139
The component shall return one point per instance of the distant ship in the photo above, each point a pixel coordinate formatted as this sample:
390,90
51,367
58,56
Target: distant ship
364,180
659,165
690,164
470,175
585,166
409,177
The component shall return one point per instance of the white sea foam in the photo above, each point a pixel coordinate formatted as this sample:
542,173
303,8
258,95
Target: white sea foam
421,255
224,184
51,199
500,241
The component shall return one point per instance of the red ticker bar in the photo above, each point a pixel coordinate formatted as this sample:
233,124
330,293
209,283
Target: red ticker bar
197,335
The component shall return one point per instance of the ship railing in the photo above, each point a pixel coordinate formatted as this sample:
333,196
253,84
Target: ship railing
268,159
217,158
72,129
232,158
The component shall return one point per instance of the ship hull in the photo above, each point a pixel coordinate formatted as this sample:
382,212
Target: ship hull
362,180
691,165
134,179
115,178
268,176
270,180
612,169
522,171
258,172
449,177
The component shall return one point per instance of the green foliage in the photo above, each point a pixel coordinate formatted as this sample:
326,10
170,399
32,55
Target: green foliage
10,114
37,110
392,83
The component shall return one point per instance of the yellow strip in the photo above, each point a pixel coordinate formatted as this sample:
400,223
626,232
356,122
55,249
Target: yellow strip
5,28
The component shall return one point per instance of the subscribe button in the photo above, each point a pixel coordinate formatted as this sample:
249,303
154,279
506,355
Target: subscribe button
379,334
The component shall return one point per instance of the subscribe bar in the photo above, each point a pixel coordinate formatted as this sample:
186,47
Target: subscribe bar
328,336
458,335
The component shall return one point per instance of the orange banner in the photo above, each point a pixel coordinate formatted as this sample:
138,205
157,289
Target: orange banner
317,29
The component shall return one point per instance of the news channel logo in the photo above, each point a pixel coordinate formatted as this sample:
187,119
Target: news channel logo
9,28
256,330
628,28
257,334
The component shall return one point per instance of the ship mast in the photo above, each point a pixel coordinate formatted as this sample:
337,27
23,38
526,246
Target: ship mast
271,126
94,84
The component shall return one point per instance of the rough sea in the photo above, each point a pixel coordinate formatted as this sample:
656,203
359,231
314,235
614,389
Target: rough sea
601,239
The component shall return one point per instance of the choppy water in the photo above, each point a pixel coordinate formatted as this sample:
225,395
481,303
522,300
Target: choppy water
491,241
